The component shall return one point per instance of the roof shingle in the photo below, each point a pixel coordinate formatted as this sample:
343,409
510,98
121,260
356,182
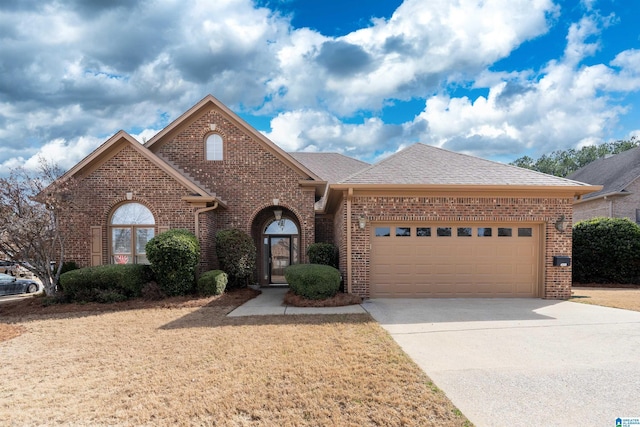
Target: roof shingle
425,164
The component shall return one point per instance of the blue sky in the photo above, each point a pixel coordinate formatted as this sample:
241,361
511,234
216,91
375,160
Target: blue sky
498,79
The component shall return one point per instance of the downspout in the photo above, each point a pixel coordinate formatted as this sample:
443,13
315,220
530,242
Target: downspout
197,214
349,263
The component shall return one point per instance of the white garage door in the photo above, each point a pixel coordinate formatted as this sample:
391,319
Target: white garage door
455,260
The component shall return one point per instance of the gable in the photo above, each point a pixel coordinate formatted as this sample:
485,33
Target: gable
185,137
120,142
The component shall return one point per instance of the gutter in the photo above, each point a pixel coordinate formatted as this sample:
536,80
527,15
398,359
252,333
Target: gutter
197,214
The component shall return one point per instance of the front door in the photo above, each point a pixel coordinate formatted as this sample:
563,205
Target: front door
281,246
280,255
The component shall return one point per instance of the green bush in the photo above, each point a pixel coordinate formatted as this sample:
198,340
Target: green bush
101,283
174,257
313,281
68,266
323,253
236,256
212,282
606,250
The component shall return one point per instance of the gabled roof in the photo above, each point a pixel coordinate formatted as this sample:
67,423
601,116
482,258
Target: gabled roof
331,167
421,164
206,103
114,144
614,173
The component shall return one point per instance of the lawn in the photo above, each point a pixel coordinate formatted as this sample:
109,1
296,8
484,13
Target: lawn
629,299
186,363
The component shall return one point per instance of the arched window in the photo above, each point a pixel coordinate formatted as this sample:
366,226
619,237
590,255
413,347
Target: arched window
214,147
132,226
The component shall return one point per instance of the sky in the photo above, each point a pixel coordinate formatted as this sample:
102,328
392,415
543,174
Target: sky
498,79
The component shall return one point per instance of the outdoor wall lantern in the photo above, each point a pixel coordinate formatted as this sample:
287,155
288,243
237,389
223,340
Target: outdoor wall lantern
362,222
278,214
561,224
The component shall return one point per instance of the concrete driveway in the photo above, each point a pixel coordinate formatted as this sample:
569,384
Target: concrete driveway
523,362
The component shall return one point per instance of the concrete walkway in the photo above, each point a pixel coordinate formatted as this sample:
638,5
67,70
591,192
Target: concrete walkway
270,302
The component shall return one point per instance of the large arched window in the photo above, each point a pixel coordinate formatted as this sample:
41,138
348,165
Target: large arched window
132,226
214,147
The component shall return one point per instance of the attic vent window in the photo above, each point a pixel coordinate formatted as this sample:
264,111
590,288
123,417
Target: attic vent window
214,147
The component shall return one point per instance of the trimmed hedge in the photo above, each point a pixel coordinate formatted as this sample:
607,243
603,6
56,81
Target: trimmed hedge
174,257
606,250
212,282
323,253
105,283
236,256
313,281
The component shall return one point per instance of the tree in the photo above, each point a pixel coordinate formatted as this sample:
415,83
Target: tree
30,207
564,162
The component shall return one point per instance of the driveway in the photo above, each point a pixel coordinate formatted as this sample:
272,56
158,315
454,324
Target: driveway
522,362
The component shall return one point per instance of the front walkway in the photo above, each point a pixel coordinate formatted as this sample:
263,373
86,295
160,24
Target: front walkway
270,302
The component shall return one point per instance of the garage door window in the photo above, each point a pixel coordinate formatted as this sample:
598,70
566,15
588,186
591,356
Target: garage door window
423,231
464,231
484,231
403,231
504,232
525,232
444,231
383,231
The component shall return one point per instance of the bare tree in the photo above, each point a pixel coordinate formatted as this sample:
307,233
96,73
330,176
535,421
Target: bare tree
30,207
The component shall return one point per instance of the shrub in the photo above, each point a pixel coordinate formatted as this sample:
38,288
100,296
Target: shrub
313,281
236,256
68,266
323,253
606,250
212,282
101,283
174,257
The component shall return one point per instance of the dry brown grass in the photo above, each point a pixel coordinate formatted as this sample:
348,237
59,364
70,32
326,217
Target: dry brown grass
187,365
628,299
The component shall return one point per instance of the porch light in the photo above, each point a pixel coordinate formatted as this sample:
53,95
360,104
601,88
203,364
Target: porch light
362,222
561,224
278,214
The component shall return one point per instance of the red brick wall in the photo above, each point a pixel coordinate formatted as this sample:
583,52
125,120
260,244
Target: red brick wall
104,189
556,280
324,229
248,179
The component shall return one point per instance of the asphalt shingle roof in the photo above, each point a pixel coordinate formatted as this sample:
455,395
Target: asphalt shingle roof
614,173
425,164
331,167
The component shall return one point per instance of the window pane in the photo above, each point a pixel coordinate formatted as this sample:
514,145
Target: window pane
504,232
121,245
132,213
464,231
484,231
383,231
444,231
294,250
214,147
143,235
284,226
423,231
403,231
525,232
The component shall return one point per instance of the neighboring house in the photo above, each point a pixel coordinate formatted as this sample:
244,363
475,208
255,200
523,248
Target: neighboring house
619,176
422,222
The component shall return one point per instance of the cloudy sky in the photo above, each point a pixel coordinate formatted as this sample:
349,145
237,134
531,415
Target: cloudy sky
494,78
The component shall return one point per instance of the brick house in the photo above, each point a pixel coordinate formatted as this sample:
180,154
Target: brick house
423,222
619,176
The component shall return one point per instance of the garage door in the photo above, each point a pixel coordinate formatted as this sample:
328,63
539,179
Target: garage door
455,260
